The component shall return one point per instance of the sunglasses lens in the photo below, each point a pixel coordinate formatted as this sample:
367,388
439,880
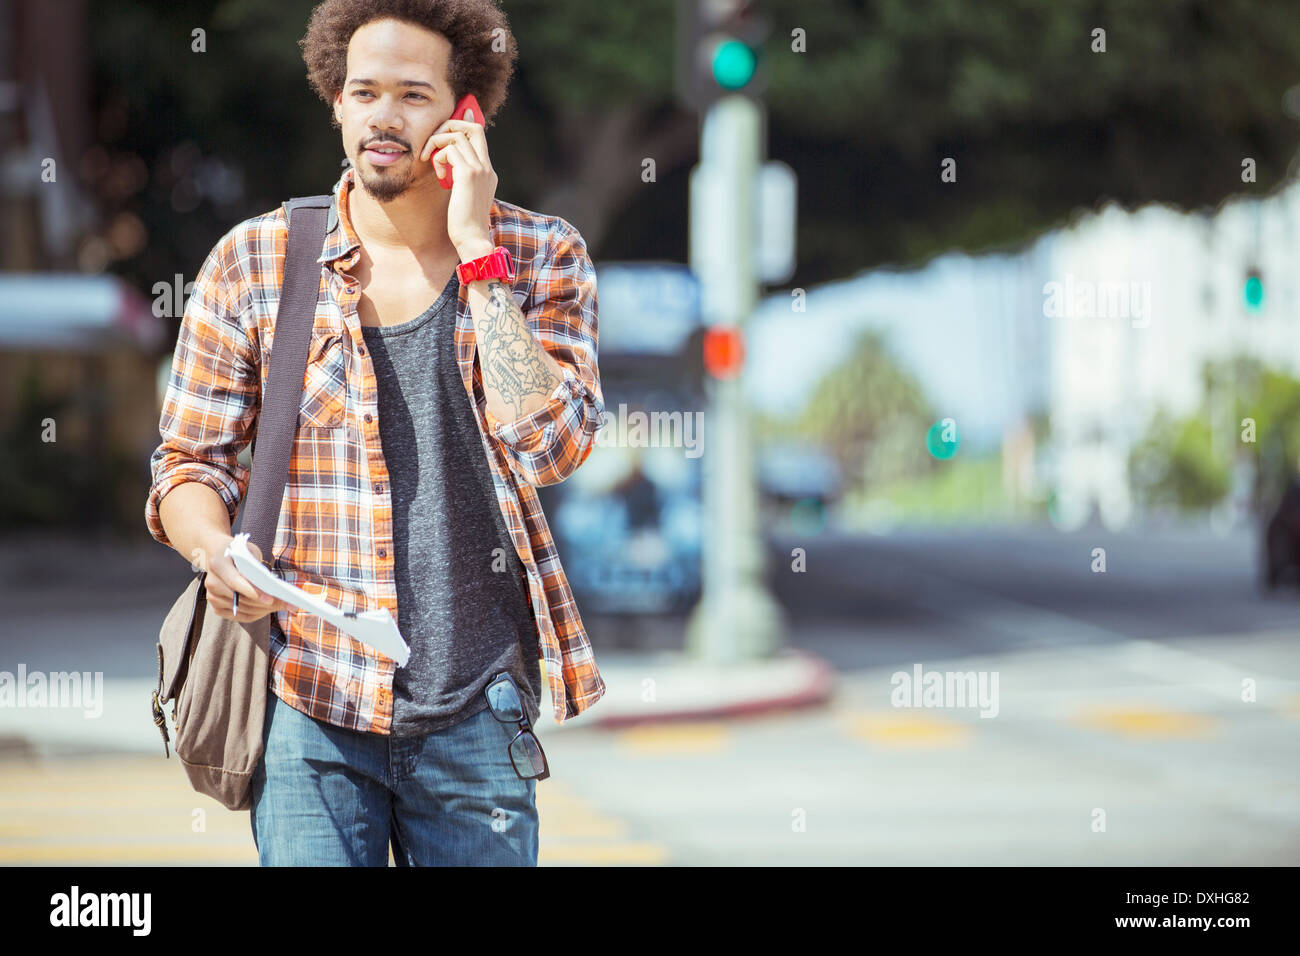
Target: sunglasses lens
505,702
527,754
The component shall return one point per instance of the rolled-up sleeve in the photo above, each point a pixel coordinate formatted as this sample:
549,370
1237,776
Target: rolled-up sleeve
548,444
212,398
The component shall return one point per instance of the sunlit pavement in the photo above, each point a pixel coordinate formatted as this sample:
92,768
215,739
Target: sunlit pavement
1102,757
1125,730
134,810
1093,759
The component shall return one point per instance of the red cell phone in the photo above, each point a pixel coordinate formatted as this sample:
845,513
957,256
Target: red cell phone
466,109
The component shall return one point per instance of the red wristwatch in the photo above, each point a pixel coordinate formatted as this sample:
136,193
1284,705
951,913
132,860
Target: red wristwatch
497,264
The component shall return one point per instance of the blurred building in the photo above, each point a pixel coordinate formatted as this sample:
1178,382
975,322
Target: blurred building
1114,362
969,329
1088,331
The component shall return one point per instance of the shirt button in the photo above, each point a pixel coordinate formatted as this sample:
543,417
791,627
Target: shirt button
362,350
383,553
367,416
379,486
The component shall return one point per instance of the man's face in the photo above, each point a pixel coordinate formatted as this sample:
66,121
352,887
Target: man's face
396,93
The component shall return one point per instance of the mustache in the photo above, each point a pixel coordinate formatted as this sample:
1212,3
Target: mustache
387,139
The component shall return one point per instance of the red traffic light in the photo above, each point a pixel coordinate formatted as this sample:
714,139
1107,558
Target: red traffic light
724,351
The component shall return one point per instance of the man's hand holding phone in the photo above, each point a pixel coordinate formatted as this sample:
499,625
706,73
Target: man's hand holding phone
461,144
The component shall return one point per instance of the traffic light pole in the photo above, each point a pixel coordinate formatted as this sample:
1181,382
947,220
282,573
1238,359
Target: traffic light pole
736,618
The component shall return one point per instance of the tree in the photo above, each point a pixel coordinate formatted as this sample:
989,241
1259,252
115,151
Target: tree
871,415
1038,123
1174,467
1177,465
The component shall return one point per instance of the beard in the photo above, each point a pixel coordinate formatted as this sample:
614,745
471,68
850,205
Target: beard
386,183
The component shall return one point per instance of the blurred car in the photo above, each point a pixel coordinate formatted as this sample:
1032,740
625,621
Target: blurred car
627,523
622,559
799,479
1281,541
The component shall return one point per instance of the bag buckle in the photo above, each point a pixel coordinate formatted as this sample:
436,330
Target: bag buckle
160,721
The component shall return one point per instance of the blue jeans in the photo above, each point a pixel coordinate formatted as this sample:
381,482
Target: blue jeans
326,796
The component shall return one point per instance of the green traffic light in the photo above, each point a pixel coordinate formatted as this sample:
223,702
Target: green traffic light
936,442
733,64
1254,292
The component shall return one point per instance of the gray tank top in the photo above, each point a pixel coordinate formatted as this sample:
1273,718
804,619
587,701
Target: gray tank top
464,621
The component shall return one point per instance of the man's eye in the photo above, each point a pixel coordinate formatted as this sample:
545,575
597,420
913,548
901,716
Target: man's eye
368,93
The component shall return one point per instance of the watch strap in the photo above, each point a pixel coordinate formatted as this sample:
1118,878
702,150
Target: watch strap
497,264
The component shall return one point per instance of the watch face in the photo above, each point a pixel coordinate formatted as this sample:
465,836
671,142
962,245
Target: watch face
507,264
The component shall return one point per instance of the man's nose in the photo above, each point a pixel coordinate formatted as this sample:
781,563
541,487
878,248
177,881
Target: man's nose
385,118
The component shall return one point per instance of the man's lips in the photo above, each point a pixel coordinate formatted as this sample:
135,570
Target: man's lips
384,155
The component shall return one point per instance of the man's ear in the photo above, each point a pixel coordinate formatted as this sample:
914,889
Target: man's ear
338,108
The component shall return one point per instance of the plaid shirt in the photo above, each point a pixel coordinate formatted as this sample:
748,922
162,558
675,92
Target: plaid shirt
335,536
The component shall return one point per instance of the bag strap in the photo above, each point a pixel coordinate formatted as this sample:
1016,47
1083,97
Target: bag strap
278,418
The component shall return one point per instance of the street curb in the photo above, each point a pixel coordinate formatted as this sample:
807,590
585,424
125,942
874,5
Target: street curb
812,689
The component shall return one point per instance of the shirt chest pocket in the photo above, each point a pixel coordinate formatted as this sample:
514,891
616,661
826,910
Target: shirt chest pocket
325,384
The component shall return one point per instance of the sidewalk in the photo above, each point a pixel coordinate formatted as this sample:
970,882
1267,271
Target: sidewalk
650,687
96,607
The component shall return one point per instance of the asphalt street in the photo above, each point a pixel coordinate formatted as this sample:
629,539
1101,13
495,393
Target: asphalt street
1146,714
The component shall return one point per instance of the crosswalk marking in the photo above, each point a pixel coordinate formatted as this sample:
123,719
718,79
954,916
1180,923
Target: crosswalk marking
573,831
1139,721
126,853
905,728
677,737
643,854
140,810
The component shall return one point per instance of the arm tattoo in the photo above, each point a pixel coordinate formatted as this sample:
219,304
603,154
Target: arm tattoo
511,356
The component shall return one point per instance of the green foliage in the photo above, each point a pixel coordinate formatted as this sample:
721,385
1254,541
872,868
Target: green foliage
871,414
56,483
1038,123
589,55
956,491
1184,463
1175,467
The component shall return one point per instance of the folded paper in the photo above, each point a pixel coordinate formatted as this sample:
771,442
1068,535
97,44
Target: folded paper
375,629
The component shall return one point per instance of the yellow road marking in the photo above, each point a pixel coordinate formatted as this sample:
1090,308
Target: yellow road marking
125,805
68,824
1141,721
676,738
127,853
133,811
906,728
646,854
566,818
589,829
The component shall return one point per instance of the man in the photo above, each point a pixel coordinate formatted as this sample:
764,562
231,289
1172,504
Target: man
431,411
